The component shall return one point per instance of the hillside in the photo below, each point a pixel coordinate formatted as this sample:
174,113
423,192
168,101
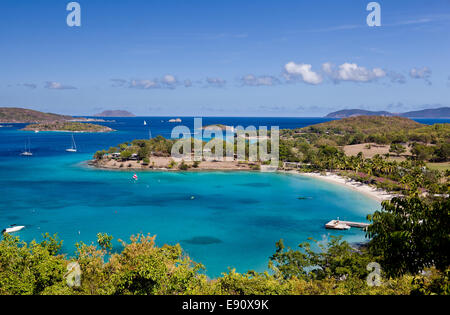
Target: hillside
115,113
443,112
22,115
365,125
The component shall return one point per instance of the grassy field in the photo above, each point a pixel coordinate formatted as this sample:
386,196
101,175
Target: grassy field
439,166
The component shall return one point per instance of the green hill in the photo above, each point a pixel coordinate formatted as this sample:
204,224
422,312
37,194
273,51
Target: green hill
365,125
370,129
22,115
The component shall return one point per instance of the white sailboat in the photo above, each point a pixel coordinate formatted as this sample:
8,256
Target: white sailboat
27,151
74,146
145,123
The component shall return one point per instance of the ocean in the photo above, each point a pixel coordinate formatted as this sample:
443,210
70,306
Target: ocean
221,219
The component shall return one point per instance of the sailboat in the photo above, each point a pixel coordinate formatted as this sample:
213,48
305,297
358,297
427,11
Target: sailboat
74,146
145,123
27,151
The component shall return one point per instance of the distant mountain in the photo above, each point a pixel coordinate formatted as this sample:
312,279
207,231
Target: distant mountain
115,113
346,113
22,115
443,112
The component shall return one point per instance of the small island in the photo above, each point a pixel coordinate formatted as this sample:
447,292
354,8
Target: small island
67,127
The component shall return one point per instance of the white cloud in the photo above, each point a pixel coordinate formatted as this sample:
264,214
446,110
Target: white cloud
252,80
421,73
352,72
217,82
144,84
303,71
169,80
58,86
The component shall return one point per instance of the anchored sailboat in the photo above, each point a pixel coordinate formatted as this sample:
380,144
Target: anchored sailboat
74,146
27,151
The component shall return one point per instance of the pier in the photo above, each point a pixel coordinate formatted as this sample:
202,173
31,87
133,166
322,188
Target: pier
345,225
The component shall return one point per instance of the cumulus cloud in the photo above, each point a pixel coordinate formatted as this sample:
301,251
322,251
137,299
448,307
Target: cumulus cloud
169,81
58,86
302,71
252,80
187,83
352,72
421,73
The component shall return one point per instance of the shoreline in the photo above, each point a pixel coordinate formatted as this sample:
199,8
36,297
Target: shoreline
377,194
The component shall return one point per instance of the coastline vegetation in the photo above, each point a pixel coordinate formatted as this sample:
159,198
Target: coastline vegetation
67,127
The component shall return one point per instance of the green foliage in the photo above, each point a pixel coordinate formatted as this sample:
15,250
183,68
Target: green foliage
335,259
397,148
142,268
99,154
104,241
183,166
411,233
125,155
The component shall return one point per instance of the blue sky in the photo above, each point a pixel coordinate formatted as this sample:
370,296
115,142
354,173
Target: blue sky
224,58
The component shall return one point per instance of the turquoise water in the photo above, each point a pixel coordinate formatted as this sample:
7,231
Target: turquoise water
221,219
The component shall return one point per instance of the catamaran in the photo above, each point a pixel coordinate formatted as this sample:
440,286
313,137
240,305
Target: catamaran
74,146
27,151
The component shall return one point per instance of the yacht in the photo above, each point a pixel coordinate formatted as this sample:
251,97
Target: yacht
27,151
74,146
13,228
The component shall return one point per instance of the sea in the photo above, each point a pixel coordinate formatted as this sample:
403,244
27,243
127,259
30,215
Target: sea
221,219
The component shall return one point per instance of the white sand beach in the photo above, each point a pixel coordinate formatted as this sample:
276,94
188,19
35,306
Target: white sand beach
372,192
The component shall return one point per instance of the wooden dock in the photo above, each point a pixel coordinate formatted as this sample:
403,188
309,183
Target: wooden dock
345,225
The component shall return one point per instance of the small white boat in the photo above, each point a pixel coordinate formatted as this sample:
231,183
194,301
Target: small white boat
74,146
145,123
13,228
27,151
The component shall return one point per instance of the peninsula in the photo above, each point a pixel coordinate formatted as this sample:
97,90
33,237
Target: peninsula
67,127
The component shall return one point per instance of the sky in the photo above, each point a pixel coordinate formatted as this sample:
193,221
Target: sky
224,58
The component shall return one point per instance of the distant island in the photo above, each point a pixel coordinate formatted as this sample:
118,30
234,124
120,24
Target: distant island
115,113
67,127
443,112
